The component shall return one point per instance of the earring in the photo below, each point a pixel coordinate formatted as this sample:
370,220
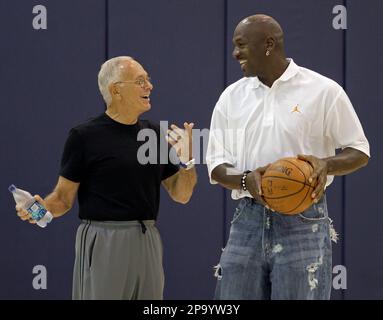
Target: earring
267,53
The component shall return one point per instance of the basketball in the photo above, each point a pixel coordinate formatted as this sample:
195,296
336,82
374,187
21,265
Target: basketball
286,187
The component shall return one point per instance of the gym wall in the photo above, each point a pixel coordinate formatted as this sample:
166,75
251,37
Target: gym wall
48,83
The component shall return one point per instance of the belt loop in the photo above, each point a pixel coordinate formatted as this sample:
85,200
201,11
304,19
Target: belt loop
143,227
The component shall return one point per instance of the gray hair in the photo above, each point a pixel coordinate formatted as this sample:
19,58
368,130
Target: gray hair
110,72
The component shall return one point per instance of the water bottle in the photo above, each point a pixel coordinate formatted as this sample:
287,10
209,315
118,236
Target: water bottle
26,201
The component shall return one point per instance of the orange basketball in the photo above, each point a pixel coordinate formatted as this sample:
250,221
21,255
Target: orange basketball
286,187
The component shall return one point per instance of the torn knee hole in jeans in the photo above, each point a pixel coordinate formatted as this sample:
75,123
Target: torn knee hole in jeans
277,248
312,269
218,271
334,236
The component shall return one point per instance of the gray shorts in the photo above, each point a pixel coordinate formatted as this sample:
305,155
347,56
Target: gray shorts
118,260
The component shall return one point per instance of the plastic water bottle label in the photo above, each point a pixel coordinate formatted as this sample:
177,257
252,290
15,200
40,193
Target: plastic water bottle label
37,211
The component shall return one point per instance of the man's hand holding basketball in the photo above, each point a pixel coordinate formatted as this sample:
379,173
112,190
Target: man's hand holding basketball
320,173
254,182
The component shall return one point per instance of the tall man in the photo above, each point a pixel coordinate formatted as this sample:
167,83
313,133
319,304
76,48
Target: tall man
278,109
118,248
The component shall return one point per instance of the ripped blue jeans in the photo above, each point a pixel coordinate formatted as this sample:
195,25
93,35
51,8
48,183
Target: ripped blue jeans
274,256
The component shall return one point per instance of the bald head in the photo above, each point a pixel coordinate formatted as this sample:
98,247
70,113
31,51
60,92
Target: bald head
261,27
258,45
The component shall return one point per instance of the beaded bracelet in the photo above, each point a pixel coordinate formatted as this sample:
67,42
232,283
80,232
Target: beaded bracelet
243,180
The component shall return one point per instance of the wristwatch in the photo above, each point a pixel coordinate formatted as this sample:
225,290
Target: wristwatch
188,165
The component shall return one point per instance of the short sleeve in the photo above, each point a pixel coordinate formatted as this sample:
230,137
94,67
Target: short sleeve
218,149
72,161
342,125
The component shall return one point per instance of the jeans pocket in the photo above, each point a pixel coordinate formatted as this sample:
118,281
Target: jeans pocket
238,212
316,213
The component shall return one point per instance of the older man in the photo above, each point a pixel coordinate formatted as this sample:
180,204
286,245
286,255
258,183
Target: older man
118,248
278,109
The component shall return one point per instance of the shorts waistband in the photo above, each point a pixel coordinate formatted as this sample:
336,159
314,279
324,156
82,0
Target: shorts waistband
120,224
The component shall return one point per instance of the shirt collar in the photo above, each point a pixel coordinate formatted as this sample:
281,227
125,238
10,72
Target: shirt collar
290,72
255,82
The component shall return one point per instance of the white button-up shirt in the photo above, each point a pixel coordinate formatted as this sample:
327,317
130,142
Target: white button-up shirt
302,113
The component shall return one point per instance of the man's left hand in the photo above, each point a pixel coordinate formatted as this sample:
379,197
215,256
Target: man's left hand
182,141
320,173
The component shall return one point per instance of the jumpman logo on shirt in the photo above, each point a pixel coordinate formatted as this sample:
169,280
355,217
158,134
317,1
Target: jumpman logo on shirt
295,109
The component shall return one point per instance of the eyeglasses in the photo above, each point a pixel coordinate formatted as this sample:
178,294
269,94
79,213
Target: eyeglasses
140,82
